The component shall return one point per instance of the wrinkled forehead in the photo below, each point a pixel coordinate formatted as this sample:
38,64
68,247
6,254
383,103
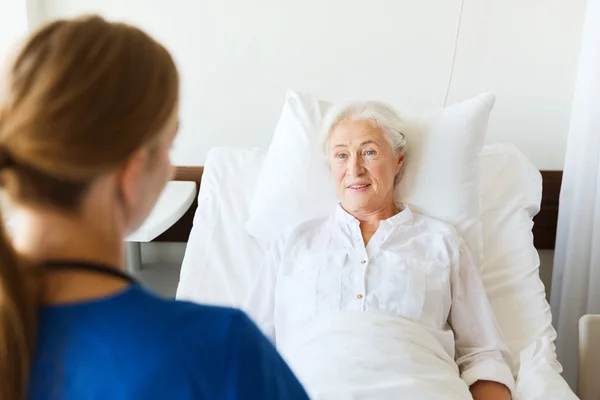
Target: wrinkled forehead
352,132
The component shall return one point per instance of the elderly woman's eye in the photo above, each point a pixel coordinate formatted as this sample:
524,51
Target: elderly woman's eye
370,153
341,156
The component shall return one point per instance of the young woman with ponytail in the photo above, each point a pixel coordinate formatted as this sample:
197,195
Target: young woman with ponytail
88,112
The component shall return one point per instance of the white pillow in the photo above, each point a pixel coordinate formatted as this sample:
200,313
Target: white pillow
295,183
511,192
440,177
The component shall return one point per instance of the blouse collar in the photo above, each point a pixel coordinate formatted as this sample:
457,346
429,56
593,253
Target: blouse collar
402,218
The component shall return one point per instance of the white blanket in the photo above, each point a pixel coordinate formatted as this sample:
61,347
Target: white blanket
369,356
356,355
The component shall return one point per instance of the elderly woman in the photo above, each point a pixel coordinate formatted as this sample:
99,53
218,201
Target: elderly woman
375,257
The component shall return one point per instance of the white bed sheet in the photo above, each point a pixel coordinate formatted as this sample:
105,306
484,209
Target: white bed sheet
222,259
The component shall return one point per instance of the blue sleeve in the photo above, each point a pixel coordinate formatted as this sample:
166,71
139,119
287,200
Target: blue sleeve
255,368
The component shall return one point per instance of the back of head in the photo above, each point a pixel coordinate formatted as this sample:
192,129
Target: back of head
80,98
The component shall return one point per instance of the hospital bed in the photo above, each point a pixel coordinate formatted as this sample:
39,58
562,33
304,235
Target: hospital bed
222,259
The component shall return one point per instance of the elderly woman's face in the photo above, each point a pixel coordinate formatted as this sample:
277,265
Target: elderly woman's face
364,166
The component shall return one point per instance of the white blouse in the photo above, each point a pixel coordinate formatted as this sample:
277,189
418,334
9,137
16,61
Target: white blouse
413,267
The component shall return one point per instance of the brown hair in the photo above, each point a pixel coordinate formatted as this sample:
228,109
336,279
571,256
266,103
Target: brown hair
81,97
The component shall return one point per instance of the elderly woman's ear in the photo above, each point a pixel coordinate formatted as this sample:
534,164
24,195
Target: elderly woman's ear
400,163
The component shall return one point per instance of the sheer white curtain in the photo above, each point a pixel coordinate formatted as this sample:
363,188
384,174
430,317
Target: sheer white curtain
576,277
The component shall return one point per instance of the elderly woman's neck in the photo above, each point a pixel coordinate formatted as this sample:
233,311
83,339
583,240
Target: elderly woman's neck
370,219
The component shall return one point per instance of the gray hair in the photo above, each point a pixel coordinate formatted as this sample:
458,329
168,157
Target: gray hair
379,114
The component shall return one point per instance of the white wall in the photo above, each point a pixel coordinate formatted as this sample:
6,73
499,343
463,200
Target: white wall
13,25
237,57
525,51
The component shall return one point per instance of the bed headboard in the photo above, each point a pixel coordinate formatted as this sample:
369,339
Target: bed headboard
544,229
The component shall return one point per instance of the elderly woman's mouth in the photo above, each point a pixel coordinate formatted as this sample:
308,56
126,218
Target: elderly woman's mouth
359,186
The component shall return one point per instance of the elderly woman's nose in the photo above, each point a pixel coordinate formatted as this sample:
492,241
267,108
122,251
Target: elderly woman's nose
355,166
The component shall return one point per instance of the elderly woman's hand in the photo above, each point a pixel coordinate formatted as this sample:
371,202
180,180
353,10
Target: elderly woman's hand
488,390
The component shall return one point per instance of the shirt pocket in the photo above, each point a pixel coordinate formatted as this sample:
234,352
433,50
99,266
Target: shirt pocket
312,286
402,287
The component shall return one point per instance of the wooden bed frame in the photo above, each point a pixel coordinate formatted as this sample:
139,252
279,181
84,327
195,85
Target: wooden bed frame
544,229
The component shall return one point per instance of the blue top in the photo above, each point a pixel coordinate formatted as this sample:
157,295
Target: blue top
134,345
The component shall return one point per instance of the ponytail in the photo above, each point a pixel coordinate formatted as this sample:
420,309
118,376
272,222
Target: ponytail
18,322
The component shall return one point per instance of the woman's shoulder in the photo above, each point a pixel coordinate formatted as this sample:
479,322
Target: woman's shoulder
434,226
307,228
199,329
304,234
202,313
145,332
183,319
202,316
